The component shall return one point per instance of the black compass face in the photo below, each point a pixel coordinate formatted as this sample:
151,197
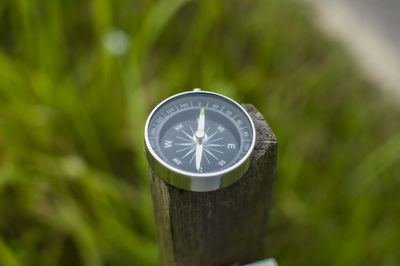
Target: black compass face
200,132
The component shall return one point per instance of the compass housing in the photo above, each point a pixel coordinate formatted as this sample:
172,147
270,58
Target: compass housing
198,181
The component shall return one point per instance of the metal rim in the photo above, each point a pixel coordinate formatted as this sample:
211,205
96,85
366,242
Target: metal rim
189,174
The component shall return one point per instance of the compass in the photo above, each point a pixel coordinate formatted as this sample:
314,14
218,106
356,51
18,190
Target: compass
199,140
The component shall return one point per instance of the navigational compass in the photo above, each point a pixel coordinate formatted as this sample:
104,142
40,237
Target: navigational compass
199,140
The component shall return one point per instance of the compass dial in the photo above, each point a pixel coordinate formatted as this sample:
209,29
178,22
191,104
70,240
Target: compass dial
200,133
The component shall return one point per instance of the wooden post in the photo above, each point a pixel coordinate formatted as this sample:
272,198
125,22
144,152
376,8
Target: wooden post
221,227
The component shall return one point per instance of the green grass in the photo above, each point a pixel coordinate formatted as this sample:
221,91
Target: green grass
73,177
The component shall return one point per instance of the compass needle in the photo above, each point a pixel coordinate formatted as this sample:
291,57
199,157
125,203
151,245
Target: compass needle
199,137
202,120
199,153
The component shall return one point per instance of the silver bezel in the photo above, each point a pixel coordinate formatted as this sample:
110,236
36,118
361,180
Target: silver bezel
192,181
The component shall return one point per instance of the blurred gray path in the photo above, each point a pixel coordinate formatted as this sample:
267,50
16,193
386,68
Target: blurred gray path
371,31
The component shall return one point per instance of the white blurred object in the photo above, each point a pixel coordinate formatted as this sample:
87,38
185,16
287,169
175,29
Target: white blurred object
116,42
266,262
369,29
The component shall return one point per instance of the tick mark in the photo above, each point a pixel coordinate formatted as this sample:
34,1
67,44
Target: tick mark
189,141
215,150
191,159
212,135
215,140
187,134
183,149
206,150
205,156
184,144
189,152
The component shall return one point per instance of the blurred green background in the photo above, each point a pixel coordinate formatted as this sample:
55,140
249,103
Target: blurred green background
78,79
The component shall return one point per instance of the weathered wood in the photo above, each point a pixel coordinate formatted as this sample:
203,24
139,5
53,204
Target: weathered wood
220,227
